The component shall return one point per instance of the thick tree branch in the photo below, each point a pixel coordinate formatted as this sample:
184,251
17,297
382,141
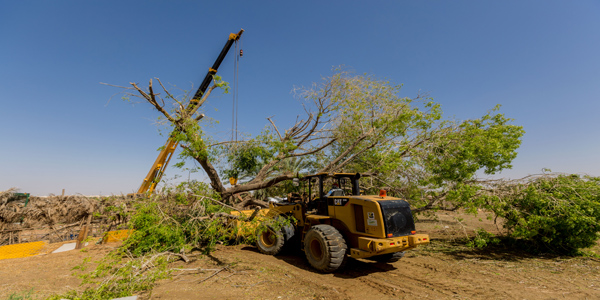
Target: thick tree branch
258,185
204,97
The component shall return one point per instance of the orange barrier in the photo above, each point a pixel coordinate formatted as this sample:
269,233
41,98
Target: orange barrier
116,236
21,250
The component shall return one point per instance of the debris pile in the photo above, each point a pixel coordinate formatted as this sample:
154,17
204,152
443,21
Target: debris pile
55,218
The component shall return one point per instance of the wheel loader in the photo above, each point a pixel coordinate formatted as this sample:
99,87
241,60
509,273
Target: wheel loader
339,223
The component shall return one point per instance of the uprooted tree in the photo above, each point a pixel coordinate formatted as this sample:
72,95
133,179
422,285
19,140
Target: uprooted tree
353,123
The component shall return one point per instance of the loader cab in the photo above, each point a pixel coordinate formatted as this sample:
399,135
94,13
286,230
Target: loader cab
323,187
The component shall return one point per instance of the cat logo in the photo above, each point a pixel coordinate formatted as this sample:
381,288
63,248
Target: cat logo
338,201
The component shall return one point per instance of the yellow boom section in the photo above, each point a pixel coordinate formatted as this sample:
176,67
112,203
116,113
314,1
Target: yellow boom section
158,168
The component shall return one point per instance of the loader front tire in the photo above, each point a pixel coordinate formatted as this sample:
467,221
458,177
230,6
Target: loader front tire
269,240
325,248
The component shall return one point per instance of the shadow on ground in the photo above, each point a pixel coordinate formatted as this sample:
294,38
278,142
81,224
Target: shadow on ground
353,268
507,250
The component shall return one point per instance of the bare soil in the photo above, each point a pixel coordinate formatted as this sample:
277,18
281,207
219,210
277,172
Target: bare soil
445,269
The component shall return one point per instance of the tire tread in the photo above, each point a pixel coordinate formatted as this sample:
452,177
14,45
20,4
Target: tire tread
335,245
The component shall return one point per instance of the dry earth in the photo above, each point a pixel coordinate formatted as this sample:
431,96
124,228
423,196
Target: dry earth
442,270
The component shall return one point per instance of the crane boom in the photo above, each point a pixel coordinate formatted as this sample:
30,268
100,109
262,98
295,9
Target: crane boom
161,162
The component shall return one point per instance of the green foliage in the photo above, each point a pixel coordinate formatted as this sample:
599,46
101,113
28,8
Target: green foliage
170,226
151,231
21,296
246,159
558,214
194,139
218,82
487,143
276,223
483,239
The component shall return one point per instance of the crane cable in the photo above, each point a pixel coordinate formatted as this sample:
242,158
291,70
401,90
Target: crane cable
234,110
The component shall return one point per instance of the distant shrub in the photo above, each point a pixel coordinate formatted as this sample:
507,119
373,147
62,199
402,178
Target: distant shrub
559,214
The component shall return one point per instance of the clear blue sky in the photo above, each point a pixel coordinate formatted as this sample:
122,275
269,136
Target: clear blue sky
539,59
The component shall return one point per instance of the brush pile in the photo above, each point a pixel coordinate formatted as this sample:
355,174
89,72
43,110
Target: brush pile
58,218
56,212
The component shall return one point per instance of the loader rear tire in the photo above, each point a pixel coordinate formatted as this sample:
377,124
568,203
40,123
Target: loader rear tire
325,248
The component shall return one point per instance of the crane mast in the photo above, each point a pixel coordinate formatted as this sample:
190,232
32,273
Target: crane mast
162,161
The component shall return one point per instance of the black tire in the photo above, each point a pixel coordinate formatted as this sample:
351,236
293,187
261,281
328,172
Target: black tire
388,258
325,248
271,239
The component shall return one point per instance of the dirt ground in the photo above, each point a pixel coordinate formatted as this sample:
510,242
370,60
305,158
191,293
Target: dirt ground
445,269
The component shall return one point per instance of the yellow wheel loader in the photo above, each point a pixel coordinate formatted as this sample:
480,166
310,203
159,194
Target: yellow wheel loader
339,223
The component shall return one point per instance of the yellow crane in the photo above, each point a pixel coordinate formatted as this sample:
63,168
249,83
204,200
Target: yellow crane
161,162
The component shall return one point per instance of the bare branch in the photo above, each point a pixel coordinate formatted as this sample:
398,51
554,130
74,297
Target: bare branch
225,142
217,201
346,152
279,134
355,155
314,150
122,87
151,101
164,89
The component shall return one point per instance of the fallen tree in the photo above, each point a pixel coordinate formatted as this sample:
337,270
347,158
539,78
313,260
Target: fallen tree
350,123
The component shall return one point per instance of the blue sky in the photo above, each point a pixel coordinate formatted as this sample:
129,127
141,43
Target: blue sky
539,59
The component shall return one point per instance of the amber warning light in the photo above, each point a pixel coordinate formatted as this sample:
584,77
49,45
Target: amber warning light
382,193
